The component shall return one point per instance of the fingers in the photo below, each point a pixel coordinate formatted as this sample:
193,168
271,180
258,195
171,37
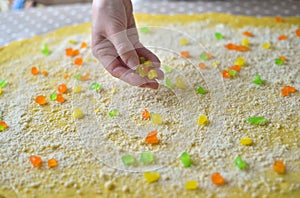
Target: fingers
125,48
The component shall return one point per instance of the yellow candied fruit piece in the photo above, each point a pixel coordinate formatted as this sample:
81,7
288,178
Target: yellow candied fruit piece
77,113
151,176
215,64
156,118
246,141
245,42
180,84
73,42
77,89
148,63
191,185
0,91
183,42
152,74
240,61
202,120
266,45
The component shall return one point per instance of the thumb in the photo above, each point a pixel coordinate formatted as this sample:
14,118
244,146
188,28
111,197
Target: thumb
125,49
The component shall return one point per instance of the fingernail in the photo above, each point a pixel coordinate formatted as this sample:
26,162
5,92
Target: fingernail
133,62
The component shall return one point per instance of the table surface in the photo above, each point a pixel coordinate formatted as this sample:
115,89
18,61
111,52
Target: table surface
36,21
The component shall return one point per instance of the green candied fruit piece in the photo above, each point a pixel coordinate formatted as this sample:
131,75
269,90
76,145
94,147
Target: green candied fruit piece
200,90
77,76
45,50
257,120
185,159
278,61
145,30
146,157
95,86
53,96
219,36
232,73
142,60
167,69
169,84
2,128
204,56
114,112
2,83
128,160
240,163
257,80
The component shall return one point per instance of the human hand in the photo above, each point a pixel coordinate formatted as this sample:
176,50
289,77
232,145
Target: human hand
116,44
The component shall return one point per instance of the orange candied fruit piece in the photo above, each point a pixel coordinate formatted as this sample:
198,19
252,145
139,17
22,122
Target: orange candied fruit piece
84,45
282,58
217,179
225,74
279,167
202,65
78,61
152,138
41,100
76,52
34,71
185,54
62,88
248,34
298,32
235,67
60,98
66,76
145,114
36,161
242,48
282,37
52,163
279,19
4,124
69,52
85,77
45,73
287,90
231,46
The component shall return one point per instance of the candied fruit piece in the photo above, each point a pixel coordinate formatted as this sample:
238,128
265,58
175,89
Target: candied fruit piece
217,179
245,42
282,37
45,50
145,114
52,163
240,163
84,45
53,96
127,160
279,167
169,84
34,71
41,100
248,34
235,68
279,19
156,118
202,65
185,159
152,138
183,41
219,36
62,88
167,69
180,83
77,89
145,30
200,90
257,80
113,113
246,141
45,73
185,54
78,61
266,45
257,120
191,185
36,161
78,113
240,61
146,157
225,74
202,120
298,32
95,86
151,177
2,83
60,98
